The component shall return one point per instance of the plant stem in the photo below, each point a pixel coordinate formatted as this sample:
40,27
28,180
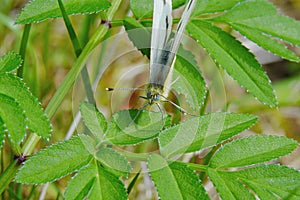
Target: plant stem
23,46
77,48
9,173
135,156
196,166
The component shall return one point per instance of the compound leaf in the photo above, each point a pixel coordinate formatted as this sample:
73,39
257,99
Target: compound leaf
267,181
107,186
201,132
238,62
258,21
39,10
252,150
37,121
94,182
55,162
175,180
228,187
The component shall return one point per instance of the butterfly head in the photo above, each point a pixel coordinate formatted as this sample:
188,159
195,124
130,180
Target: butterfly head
154,92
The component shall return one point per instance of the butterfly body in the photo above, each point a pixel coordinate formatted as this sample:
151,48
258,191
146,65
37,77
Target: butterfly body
153,93
164,47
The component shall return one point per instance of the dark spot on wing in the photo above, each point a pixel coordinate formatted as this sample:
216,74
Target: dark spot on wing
190,3
179,25
167,22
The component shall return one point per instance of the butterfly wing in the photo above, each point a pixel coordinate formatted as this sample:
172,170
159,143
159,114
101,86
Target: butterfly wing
163,49
161,29
174,43
181,25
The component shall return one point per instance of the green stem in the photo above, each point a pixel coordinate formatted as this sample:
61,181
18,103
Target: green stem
136,156
23,48
74,72
9,173
78,50
30,144
197,166
203,107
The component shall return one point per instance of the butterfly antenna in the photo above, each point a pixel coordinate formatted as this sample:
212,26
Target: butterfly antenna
124,89
178,107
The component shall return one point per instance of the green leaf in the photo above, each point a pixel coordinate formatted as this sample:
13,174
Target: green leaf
280,180
228,188
37,121
213,6
2,132
266,42
134,126
139,35
272,181
10,62
39,10
238,62
175,180
93,119
144,8
13,119
94,182
262,16
190,81
279,26
252,150
250,17
107,186
248,10
55,162
201,132
79,186
113,161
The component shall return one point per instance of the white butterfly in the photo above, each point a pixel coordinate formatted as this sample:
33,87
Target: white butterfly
163,52
164,49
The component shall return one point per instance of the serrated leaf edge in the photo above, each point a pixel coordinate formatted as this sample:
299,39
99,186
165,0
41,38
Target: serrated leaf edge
45,149
14,53
27,89
220,65
244,138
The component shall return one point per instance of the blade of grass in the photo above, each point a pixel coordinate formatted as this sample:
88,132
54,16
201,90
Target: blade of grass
23,46
131,184
78,50
8,175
